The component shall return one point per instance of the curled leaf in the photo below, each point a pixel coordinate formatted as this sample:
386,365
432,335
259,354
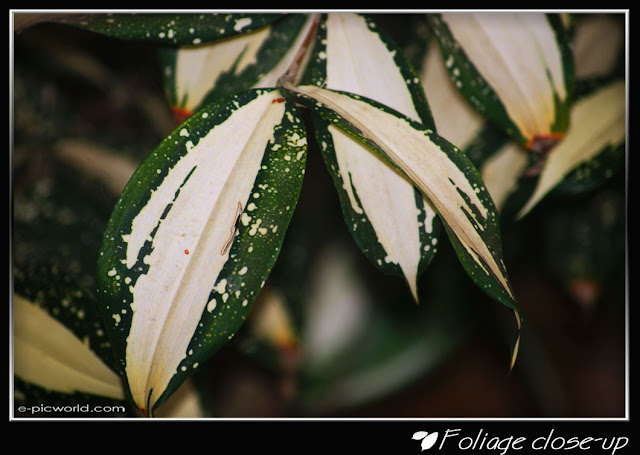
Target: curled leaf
441,171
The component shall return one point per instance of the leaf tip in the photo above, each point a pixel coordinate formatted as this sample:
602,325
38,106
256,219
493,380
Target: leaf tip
413,287
516,343
532,202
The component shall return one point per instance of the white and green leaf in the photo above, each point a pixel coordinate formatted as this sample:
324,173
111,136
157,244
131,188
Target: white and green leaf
394,225
500,160
61,352
194,237
515,68
455,117
49,355
197,74
598,123
441,171
171,29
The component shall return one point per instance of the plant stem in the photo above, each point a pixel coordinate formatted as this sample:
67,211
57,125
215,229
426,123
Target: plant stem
292,75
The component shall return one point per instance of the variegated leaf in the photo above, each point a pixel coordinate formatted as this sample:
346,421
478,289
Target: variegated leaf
443,173
516,68
173,29
49,355
456,119
194,237
598,122
391,221
197,74
500,164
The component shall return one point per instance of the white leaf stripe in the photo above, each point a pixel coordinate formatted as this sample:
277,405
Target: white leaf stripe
49,355
193,74
456,120
597,121
420,155
359,60
355,58
197,68
385,198
174,240
260,232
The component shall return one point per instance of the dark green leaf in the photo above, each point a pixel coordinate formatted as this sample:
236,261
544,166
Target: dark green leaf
174,29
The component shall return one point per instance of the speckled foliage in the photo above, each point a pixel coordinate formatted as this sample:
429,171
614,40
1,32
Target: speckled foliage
170,29
178,217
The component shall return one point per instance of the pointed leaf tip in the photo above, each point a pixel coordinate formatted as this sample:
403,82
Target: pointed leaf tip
516,343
